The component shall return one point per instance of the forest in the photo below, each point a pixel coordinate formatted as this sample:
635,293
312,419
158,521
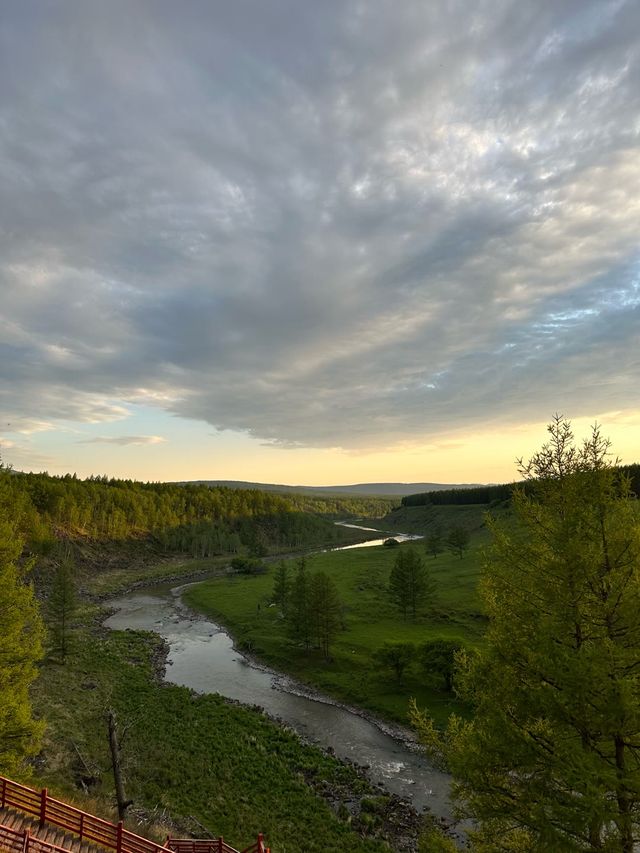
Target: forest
494,494
197,520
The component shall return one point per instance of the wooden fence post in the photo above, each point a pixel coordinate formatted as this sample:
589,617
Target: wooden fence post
260,843
4,791
81,824
43,806
25,846
220,843
119,837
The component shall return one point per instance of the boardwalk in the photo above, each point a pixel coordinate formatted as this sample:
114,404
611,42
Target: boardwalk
33,822
50,835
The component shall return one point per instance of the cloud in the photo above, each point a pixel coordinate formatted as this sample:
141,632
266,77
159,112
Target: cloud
321,224
125,439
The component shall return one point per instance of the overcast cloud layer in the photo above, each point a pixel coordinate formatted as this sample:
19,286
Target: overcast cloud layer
324,223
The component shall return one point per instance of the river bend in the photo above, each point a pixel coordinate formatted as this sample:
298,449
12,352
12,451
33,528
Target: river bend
203,658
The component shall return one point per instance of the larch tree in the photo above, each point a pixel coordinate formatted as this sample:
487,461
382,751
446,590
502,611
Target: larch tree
551,759
281,587
62,605
298,612
458,540
325,610
21,633
410,583
434,543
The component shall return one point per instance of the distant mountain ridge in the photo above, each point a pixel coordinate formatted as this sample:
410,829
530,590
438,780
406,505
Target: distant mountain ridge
391,490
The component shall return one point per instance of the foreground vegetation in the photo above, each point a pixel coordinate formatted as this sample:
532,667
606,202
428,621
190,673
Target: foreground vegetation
187,756
551,758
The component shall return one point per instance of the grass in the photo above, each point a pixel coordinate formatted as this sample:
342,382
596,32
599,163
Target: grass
123,578
361,576
110,568
425,519
187,755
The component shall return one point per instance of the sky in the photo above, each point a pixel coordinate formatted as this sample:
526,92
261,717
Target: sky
319,243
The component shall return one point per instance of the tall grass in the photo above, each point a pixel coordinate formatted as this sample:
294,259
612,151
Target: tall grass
230,767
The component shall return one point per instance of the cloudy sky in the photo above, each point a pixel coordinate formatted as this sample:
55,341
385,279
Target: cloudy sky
319,242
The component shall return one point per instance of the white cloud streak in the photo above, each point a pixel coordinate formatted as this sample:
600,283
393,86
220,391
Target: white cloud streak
124,440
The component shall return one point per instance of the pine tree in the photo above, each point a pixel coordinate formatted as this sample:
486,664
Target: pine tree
409,582
458,540
281,587
434,544
551,759
298,615
325,610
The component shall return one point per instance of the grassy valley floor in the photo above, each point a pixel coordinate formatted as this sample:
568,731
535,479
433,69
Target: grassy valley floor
242,604
196,761
197,757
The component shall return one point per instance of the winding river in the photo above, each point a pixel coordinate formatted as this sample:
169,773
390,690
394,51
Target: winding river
202,657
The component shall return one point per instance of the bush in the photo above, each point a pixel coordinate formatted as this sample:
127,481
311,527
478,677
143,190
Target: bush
437,657
248,566
396,657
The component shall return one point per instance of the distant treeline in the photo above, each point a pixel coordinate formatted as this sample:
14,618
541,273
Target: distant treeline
195,519
494,494
478,495
356,506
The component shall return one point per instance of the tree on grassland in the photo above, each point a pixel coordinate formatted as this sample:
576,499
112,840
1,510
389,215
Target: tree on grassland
396,657
21,634
298,614
281,587
325,610
437,657
458,540
62,604
409,582
434,543
551,758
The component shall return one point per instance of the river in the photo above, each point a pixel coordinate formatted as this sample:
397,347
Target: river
202,657
399,537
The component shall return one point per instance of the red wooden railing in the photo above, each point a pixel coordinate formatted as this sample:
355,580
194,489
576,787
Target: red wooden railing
213,845
113,836
21,841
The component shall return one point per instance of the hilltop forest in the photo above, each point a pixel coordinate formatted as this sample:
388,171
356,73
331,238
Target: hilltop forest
195,520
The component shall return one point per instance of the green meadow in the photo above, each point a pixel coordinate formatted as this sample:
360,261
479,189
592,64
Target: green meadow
243,605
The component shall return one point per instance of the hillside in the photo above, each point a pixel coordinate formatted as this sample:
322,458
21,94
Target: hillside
423,520
132,530
392,490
